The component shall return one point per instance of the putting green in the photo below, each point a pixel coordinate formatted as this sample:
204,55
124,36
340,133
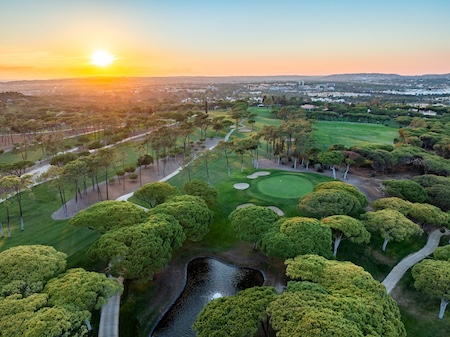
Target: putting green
285,186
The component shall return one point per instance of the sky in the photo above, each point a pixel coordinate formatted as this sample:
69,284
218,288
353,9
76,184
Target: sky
46,39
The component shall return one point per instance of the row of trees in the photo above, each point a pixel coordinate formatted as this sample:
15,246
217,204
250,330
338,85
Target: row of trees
39,297
137,244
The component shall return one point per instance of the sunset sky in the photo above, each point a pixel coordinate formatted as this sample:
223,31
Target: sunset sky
42,39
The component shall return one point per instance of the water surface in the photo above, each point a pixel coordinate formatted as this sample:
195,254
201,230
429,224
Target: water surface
206,279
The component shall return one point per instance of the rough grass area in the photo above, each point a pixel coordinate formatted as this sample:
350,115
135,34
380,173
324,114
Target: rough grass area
352,134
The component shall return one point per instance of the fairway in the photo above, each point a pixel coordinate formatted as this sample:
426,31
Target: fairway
352,134
285,186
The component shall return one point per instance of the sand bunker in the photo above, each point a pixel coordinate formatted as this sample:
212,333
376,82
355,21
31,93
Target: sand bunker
273,208
244,205
241,186
276,210
258,174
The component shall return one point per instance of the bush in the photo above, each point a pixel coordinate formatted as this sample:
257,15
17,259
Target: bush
406,189
96,144
133,176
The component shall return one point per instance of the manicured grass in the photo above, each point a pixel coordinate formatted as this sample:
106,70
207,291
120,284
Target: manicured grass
41,229
352,134
286,186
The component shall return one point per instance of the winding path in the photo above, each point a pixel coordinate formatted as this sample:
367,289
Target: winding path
400,269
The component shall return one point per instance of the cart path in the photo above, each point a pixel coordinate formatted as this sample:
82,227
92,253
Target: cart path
400,269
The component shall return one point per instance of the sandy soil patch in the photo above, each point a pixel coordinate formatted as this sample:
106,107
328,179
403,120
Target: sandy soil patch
241,186
258,174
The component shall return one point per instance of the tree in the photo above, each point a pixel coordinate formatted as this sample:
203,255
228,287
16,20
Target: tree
156,193
391,224
55,176
145,160
442,253
25,269
341,186
140,251
344,226
200,188
15,186
239,315
332,159
428,214
350,158
296,236
18,168
381,160
108,215
62,159
405,189
31,317
252,223
439,195
74,172
433,278
205,158
83,289
227,148
191,212
403,206
328,202
333,298
106,157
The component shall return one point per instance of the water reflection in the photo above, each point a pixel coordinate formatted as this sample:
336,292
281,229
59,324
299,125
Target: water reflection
207,279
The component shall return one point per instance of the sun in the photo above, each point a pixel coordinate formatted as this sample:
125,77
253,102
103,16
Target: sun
102,58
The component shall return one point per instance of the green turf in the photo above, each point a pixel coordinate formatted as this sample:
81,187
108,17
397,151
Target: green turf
352,134
284,186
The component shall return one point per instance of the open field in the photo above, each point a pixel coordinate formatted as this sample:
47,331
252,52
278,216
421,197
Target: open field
352,134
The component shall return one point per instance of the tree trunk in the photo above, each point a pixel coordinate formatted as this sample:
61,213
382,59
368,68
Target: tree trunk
347,168
8,219
76,197
207,172
88,324
107,189
337,242
334,172
1,230
228,164
385,244
20,213
444,303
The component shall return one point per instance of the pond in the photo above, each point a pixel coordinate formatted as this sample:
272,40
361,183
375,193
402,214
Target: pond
206,279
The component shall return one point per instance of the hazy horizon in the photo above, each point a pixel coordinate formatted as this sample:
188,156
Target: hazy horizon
52,39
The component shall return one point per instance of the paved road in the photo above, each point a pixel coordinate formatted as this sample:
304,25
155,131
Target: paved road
400,269
109,317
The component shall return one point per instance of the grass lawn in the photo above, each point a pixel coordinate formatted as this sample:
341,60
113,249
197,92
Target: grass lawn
352,134
41,229
285,186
